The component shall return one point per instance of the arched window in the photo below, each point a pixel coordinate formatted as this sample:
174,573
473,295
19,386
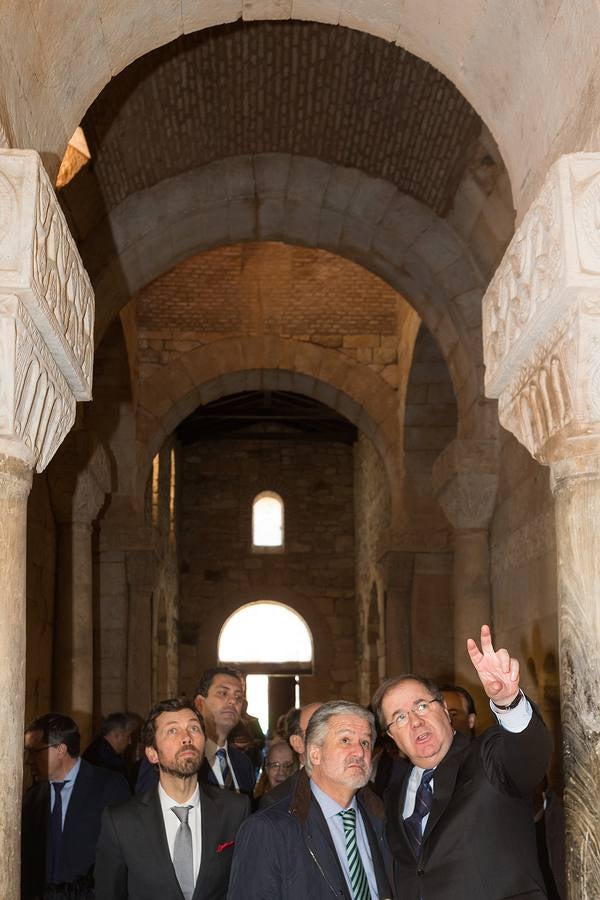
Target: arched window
266,632
267,520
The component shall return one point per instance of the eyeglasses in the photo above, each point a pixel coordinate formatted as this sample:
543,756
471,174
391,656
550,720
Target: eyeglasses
421,708
280,767
29,751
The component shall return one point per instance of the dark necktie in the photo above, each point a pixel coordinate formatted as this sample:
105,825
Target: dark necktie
225,770
56,831
183,855
423,800
358,876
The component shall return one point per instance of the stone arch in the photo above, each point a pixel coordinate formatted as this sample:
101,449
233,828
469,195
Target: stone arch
234,365
504,87
297,200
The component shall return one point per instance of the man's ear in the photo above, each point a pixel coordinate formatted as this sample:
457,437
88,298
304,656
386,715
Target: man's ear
199,702
61,750
151,755
296,743
472,718
314,754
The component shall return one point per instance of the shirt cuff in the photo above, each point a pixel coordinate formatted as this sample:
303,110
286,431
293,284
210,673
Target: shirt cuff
515,720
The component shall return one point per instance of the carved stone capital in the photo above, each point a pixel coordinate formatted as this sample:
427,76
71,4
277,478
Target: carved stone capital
46,314
541,318
79,479
465,480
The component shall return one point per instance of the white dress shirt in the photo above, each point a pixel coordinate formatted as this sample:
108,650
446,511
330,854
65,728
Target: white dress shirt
172,823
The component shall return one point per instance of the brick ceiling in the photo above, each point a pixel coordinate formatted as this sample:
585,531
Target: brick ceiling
342,96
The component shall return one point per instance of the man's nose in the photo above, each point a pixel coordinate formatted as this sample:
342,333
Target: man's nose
417,717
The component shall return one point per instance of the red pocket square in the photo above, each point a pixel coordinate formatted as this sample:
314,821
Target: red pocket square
221,847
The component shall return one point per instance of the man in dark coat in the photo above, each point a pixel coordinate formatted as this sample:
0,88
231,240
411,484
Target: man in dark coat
459,824
176,840
327,838
108,749
62,810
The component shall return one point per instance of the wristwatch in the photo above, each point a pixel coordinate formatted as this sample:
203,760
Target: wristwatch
512,705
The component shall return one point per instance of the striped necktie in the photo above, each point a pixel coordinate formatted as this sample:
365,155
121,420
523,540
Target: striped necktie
423,801
358,876
224,766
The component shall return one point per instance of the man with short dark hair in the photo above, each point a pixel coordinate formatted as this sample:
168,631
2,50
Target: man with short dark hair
108,749
219,697
459,824
61,811
326,839
461,708
177,839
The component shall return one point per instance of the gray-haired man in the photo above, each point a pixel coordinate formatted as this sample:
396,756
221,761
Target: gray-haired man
327,838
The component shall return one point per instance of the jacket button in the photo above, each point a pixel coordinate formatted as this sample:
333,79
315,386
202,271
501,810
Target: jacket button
420,871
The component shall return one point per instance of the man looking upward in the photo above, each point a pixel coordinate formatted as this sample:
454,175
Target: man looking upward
459,824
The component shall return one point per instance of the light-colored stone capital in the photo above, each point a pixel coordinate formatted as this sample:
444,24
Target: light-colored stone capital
541,318
46,314
465,480
79,479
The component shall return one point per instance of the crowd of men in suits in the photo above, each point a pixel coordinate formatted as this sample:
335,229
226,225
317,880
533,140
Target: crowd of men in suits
447,816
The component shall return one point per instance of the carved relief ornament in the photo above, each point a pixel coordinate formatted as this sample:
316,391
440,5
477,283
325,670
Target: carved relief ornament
541,317
46,315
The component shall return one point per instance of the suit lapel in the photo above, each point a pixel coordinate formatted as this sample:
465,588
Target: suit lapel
373,830
157,846
444,781
321,847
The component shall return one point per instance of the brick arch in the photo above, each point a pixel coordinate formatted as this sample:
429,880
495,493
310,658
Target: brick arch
298,200
505,87
267,363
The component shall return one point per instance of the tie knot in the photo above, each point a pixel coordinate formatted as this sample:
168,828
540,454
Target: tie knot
349,819
58,786
221,754
426,777
182,813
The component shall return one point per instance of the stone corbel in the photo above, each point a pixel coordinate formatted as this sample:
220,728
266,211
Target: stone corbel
46,314
465,480
541,318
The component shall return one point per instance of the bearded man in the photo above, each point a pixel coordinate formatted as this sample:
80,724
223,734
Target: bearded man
177,838
326,839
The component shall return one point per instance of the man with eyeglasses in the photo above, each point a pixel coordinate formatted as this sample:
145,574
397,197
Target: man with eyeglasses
61,811
175,841
459,824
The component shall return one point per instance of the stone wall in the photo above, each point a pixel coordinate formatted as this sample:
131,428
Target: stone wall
314,574
523,575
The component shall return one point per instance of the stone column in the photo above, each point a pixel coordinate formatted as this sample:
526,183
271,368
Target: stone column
79,480
398,570
46,355
542,348
465,479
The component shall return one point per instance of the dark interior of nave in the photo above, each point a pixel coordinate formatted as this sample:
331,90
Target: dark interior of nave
289,264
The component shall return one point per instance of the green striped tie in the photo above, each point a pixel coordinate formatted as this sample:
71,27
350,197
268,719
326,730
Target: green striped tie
358,876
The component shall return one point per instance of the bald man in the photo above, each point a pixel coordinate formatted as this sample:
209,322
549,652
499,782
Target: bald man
296,741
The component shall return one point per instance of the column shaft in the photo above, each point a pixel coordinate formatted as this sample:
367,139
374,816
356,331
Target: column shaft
15,484
576,485
73,630
472,606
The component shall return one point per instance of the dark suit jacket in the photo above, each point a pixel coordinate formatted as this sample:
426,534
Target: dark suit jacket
242,766
133,860
480,839
286,851
100,753
94,789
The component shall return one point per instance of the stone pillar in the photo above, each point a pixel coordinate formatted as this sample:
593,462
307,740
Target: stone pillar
465,479
79,479
541,320
398,570
46,355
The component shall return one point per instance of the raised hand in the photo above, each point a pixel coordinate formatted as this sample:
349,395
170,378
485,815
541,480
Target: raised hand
498,672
